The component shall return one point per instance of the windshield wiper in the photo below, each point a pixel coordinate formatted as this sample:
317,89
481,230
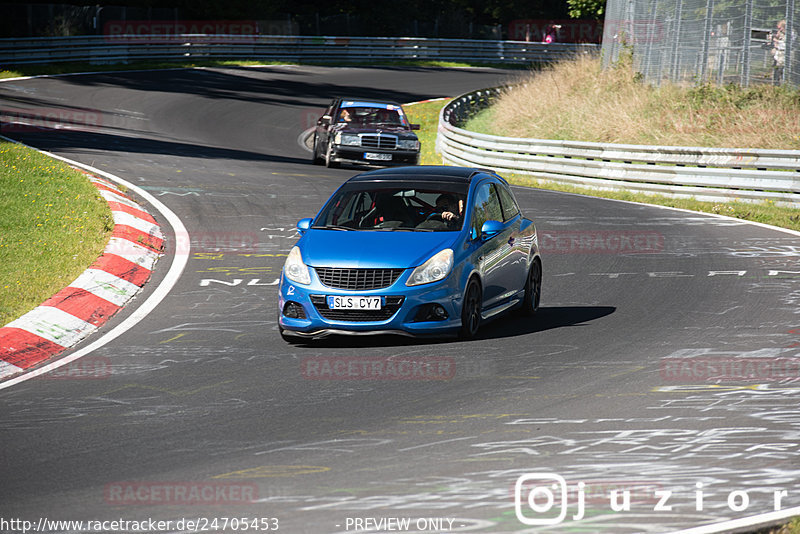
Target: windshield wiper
332,227
404,229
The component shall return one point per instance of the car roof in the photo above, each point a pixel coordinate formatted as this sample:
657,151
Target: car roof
423,172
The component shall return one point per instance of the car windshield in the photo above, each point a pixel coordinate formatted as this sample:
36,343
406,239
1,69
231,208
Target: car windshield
396,206
372,115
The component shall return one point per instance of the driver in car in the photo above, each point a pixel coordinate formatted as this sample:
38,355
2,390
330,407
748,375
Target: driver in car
450,209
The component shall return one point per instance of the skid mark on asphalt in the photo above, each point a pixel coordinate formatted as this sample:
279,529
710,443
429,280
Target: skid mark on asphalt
269,471
171,392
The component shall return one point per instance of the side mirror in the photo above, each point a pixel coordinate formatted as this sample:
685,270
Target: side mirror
491,229
325,119
414,126
304,224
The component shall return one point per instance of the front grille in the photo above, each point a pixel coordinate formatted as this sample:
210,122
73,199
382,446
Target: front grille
385,142
357,279
390,307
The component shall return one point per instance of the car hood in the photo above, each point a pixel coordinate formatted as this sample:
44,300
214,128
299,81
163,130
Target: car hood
372,249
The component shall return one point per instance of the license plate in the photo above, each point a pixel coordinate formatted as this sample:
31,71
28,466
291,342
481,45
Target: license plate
377,157
354,303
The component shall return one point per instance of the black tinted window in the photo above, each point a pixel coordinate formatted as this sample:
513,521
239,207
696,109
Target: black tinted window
372,115
395,205
508,204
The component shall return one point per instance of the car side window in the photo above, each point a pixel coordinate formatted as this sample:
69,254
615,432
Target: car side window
486,208
509,205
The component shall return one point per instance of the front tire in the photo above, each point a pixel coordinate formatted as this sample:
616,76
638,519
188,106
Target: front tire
533,289
471,310
316,159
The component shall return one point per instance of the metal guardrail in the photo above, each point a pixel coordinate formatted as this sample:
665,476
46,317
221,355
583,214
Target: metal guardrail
124,48
709,174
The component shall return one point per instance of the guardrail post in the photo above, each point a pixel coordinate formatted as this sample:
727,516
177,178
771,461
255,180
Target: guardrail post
676,46
748,26
787,63
706,41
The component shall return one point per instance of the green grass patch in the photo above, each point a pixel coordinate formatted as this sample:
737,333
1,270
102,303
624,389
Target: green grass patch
482,122
792,527
53,224
426,114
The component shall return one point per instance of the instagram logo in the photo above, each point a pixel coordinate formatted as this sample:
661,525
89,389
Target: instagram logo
538,491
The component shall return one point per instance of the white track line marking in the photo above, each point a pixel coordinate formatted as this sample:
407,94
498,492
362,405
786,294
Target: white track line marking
752,521
8,369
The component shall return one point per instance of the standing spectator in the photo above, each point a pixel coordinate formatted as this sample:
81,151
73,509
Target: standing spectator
778,45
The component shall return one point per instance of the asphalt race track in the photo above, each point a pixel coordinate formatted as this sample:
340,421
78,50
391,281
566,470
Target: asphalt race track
610,385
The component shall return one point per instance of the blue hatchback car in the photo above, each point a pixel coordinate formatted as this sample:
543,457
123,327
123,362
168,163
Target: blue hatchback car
411,250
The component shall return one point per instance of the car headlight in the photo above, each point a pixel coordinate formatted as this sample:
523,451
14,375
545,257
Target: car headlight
433,270
294,268
346,139
408,144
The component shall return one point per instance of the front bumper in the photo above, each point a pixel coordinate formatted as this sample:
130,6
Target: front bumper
404,310
358,155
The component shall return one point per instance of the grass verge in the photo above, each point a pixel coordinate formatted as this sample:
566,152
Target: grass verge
580,100
427,114
53,224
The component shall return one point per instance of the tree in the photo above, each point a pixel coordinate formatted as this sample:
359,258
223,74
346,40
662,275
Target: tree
586,9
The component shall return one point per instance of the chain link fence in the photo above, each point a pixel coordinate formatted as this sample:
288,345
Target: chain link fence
698,41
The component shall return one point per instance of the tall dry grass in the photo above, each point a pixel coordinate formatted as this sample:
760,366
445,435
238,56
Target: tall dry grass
579,100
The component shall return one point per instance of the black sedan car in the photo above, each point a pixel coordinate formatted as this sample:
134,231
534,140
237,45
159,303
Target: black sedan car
365,132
